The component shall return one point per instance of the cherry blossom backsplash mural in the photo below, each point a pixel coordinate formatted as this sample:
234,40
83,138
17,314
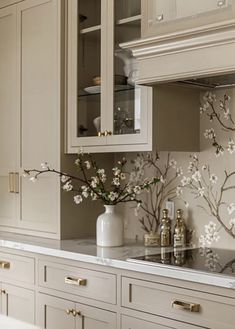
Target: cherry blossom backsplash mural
202,184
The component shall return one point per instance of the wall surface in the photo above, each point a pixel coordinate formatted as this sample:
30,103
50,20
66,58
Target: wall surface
214,176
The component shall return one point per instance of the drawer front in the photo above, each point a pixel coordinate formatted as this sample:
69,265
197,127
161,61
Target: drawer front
181,304
78,281
129,322
16,268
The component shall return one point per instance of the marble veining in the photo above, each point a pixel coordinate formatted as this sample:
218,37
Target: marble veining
85,250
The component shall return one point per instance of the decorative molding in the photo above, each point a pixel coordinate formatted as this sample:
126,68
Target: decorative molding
183,47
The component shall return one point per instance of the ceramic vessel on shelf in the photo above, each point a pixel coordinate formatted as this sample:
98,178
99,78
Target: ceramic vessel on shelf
109,228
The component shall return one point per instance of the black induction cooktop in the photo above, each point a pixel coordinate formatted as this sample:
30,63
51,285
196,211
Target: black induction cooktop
201,259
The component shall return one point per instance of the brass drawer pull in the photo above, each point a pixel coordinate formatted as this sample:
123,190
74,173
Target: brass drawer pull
11,182
4,265
3,292
68,311
75,281
107,133
191,307
101,134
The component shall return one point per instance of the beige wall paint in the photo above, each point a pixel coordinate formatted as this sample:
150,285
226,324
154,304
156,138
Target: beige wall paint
195,216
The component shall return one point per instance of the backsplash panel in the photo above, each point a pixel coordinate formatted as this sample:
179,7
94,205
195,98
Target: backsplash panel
195,216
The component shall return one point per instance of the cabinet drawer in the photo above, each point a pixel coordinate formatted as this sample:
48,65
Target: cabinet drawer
129,322
16,268
78,281
181,304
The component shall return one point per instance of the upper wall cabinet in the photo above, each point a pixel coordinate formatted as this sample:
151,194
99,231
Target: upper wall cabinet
106,110
164,16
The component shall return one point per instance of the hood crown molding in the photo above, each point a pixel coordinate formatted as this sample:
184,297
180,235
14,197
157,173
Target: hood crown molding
184,52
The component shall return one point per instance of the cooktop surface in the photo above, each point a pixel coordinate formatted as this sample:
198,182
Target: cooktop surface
205,260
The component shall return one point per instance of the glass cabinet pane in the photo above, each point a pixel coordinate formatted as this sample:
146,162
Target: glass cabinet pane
127,109
89,68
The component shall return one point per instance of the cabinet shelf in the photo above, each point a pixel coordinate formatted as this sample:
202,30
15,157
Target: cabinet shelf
118,89
90,29
129,20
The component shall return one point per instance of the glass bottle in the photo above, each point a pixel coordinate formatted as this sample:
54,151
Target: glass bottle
179,236
165,231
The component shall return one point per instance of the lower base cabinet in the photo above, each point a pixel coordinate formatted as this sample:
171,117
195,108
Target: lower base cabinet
58,313
17,303
129,322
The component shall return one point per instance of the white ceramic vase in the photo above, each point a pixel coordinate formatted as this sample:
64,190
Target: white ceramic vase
109,228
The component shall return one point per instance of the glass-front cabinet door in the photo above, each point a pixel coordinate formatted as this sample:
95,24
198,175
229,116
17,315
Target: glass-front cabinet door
106,110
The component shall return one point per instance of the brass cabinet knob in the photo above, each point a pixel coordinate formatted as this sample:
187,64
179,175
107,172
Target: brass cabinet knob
76,313
101,134
191,307
5,265
107,133
68,311
3,292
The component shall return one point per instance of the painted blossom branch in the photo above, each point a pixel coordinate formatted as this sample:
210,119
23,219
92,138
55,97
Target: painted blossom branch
166,189
202,183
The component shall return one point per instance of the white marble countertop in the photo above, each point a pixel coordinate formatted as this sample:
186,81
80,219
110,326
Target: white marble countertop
87,251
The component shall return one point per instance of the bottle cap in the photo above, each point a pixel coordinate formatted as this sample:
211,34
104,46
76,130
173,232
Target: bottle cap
165,213
179,213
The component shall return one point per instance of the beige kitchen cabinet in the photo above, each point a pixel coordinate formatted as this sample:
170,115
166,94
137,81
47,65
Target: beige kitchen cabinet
9,116
57,313
164,16
131,322
18,303
32,118
106,110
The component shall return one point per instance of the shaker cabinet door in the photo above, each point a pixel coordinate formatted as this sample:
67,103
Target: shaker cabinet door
91,317
18,303
9,116
55,313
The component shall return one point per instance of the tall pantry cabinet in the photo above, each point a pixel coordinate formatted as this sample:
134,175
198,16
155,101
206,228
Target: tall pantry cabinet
31,116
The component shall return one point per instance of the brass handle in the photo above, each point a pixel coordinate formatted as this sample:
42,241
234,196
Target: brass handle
101,134
11,182
3,292
75,281
5,265
107,133
75,313
16,182
191,307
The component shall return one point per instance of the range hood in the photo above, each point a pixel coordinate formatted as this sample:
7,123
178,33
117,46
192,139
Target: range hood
203,58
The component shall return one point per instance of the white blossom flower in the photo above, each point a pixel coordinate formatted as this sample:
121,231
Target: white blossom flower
186,204
201,191
232,222
94,181
87,164
68,186
44,165
85,191
185,181
116,181
226,113
179,171
211,234
191,166
209,133
173,163
213,178
209,97
122,176
80,150
137,189
204,167
33,179
179,191
231,146
116,171
64,178
77,162
162,180
129,189
77,199
113,196
231,208
219,151
102,175
197,176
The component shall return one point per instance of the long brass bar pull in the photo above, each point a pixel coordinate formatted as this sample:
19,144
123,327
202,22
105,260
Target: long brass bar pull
191,307
11,182
16,182
75,281
5,265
